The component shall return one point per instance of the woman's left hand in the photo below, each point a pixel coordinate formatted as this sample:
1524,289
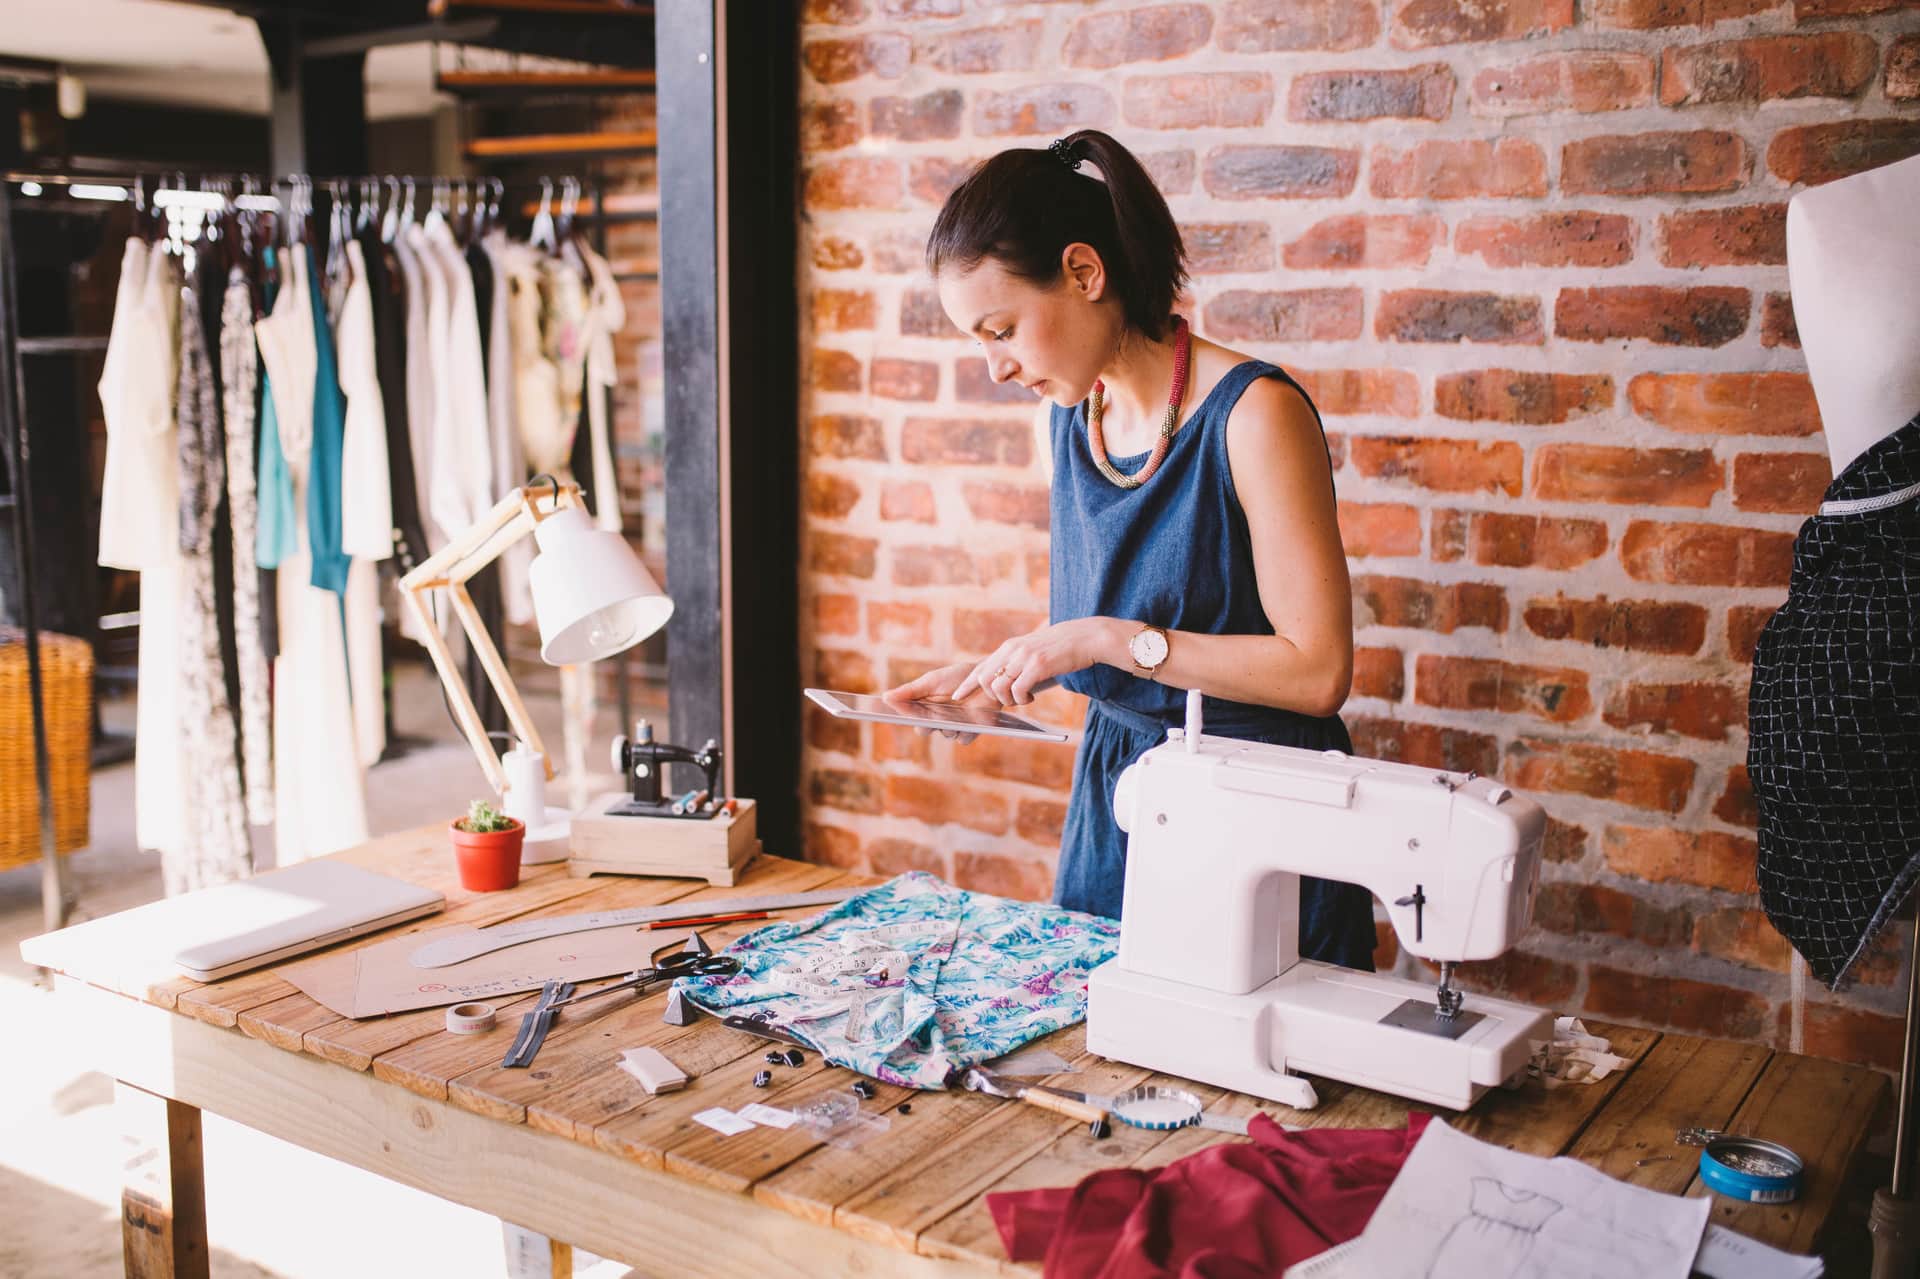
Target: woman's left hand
1026,664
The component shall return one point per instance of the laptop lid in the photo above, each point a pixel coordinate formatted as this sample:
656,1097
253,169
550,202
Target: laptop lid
217,932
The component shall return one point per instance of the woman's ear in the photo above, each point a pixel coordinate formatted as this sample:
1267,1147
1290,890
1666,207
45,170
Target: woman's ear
1083,270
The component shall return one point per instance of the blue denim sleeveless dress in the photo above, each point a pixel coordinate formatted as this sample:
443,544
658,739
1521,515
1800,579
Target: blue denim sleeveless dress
1174,552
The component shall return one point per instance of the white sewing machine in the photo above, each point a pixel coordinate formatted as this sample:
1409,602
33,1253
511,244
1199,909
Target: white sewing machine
1209,982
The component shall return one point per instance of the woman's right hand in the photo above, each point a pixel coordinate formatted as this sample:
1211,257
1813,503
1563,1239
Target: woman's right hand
937,685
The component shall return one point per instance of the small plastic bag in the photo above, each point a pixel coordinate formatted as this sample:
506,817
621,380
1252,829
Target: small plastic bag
837,1119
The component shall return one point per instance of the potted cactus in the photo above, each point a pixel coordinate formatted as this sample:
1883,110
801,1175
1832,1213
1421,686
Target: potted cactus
486,846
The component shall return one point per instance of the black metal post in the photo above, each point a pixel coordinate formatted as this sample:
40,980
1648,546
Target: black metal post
690,246
53,871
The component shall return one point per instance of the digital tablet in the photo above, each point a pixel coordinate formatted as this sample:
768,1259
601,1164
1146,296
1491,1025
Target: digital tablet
945,716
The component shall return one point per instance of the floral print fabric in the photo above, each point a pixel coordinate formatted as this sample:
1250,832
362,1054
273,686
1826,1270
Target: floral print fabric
916,979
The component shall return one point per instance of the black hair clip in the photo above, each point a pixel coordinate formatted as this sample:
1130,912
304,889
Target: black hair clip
1062,150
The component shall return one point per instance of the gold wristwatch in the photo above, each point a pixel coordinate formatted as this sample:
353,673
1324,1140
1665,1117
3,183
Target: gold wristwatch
1148,648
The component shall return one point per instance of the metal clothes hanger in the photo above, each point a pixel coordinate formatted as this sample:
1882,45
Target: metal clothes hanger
338,233
434,216
390,222
542,235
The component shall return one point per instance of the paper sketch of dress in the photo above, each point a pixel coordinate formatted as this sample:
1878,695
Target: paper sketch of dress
1492,1241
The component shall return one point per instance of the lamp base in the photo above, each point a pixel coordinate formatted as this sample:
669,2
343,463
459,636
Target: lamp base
606,843
549,839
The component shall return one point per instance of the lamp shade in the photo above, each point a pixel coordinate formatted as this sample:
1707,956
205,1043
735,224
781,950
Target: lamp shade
591,594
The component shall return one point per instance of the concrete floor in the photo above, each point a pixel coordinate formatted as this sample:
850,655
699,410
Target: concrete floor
61,1149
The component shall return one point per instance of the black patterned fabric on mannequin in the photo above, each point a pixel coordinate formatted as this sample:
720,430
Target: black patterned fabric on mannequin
1834,715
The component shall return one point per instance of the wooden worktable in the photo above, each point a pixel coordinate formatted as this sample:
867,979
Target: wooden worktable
575,1148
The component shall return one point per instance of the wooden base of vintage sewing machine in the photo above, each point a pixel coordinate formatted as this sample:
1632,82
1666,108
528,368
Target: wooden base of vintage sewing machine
714,848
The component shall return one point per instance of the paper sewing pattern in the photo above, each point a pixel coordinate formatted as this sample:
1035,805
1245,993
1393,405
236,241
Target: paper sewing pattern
1497,1233
1464,1209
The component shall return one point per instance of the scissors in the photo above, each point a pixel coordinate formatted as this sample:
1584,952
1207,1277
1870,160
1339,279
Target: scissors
554,996
681,964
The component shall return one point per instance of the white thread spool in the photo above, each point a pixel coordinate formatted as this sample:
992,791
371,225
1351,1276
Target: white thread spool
548,829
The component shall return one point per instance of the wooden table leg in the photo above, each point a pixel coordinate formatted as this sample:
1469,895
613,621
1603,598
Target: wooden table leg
163,1196
532,1255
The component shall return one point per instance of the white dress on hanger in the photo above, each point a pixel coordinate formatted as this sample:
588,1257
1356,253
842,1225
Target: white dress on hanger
366,504
509,458
606,316
419,383
320,798
438,300
462,489
139,524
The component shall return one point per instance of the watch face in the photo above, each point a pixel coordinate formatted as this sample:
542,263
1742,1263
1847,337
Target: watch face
1149,648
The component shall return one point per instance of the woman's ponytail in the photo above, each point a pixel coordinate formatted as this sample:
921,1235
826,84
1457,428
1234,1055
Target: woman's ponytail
1150,244
1024,207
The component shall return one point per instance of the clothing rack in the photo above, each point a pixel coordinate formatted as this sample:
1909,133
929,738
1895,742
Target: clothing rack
139,183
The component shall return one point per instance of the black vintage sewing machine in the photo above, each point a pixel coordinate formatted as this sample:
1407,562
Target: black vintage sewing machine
643,762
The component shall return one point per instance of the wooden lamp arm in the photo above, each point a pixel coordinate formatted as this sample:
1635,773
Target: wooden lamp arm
516,514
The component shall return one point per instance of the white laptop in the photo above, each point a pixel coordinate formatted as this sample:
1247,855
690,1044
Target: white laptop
217,932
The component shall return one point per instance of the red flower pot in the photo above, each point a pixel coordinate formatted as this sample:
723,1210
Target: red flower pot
489,860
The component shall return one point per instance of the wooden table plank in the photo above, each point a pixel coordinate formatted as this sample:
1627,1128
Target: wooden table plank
1819,1109
815,1186
910,1200
968,1233
1682,1083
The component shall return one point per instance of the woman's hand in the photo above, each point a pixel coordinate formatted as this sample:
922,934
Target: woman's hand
1028,664
939,685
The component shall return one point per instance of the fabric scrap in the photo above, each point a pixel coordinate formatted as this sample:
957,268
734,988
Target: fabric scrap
1238,1210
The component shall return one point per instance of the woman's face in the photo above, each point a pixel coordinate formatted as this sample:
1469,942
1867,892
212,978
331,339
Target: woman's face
1053,339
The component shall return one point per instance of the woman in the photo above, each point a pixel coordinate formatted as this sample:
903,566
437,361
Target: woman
1194,541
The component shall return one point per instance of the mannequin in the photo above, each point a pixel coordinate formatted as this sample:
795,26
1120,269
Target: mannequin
1853,253
1843,640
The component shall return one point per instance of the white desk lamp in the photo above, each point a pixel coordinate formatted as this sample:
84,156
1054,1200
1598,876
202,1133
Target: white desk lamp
592,598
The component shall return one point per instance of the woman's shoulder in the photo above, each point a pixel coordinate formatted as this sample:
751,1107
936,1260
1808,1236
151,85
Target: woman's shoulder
1267,392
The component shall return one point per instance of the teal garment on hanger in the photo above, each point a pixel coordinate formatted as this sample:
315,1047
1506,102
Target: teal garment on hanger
275,538
330,562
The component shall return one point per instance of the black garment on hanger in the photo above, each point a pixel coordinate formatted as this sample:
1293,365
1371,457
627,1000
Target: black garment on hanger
480,266
210,272
580,460
388,286
266,289
489,600
1834,715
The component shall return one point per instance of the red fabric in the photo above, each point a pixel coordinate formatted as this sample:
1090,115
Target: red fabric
1232,1211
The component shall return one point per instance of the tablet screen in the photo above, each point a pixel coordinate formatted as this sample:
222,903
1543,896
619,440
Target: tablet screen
942,715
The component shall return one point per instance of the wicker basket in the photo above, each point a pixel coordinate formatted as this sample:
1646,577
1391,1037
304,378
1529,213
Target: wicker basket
66,689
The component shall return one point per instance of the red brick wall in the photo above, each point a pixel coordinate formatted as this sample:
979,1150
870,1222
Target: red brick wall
1529,256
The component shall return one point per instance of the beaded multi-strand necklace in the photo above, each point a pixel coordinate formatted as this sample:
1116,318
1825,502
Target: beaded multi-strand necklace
1096,407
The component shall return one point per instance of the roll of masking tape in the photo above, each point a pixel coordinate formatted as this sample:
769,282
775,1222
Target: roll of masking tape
469,1019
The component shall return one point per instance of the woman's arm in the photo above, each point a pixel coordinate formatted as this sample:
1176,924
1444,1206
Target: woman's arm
1278,460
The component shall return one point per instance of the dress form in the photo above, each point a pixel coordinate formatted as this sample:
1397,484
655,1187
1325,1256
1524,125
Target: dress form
1853,251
